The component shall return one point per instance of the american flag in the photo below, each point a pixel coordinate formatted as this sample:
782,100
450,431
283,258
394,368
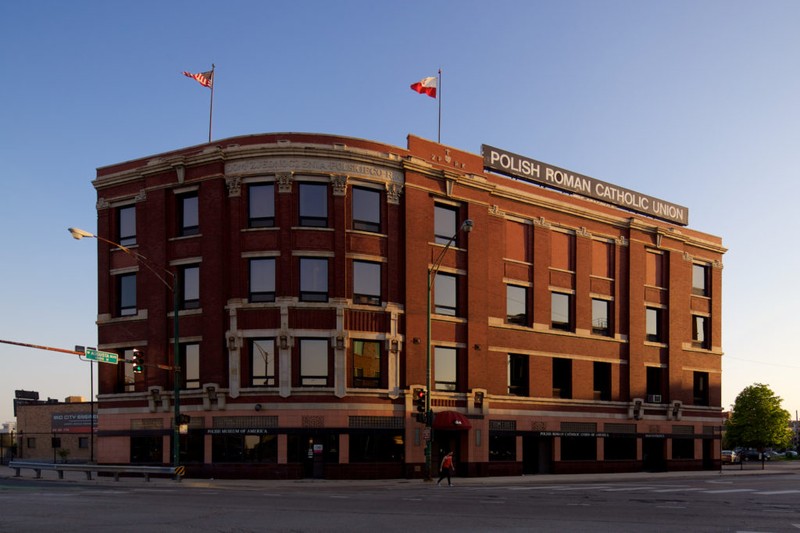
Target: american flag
206,79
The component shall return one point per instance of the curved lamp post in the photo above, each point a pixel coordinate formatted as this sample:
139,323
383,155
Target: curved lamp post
176,369
466,227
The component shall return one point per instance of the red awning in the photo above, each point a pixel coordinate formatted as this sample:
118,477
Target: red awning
451,420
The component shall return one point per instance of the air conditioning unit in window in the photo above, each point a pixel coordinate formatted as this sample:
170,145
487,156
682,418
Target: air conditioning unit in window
653,398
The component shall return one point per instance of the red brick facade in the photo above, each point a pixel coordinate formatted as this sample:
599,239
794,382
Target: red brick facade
577,380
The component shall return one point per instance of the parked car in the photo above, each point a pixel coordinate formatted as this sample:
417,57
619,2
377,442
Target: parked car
729,457
791,453
750,455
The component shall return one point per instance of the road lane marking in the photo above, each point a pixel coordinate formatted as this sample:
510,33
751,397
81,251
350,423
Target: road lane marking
681,489
726,491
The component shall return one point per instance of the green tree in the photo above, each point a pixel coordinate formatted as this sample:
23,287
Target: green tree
758,420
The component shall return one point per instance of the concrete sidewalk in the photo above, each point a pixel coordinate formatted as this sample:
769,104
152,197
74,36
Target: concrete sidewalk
728,471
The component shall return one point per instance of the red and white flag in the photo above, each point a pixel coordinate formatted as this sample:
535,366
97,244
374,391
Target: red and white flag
426,86
206,79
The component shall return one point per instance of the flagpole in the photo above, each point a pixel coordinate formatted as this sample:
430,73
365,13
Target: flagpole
211,107
439,91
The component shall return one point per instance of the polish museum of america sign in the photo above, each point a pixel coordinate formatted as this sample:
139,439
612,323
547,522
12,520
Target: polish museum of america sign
534,171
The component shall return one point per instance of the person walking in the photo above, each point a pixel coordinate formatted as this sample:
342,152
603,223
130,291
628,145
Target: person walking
446,469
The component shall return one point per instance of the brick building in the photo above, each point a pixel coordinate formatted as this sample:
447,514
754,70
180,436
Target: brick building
54,431
576,328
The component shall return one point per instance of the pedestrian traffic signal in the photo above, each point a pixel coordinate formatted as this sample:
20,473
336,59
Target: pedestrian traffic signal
138,362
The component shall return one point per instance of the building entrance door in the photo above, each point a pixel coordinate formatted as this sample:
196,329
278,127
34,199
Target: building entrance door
537,454
653,454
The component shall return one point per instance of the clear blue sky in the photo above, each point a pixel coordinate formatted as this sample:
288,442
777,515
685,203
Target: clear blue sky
693,101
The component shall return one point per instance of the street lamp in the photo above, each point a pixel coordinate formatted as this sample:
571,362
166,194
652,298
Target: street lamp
466,227
176,368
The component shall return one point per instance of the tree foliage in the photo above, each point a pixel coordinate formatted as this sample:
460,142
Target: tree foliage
758,420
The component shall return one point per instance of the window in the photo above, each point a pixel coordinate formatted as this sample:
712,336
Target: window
445,365
444,223
518,376
602,381
190,366
655,384
600,314
377,447
262,362
620,448
602,259
502,446
147,449
83,443
244,448
561,311
654,325
313,279
517,246
126,225
562,378
700,389
578,449
366,210
700,279
517,305
126,294
31,442
190,283
562,250
654,269
313,204
188,215
262,280
261,205
366,364
445,294
128,376
366,283
313,362
700,331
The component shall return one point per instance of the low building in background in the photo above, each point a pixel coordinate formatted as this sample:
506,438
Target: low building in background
54,431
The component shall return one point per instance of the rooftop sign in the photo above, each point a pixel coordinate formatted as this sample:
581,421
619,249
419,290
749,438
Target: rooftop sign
534,171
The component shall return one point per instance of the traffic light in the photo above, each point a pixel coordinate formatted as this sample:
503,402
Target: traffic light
419,401
138,362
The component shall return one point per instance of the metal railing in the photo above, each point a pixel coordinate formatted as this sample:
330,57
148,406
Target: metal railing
175,472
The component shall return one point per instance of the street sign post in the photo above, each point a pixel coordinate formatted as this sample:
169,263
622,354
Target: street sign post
101,357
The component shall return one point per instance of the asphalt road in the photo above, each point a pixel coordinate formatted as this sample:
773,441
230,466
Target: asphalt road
731,501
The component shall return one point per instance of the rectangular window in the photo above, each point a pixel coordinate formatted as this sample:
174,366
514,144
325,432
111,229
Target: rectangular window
190,283
313,204
700,389
126,225
126,294
561,311
517,305
655,384
600,317
682,448
262,359
602,259
562,250
517,246
654,325
445,368
31,442
562,378
654,269
602,381
366,283
518,376
700,331
502,446
83,443
262,280
444,223
188,215
244,449
445,294
313,279
700,279
377,447
366,364
366,210
313,362
261,205
190,366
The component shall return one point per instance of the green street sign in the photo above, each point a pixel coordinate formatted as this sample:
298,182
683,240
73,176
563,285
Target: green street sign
101,357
